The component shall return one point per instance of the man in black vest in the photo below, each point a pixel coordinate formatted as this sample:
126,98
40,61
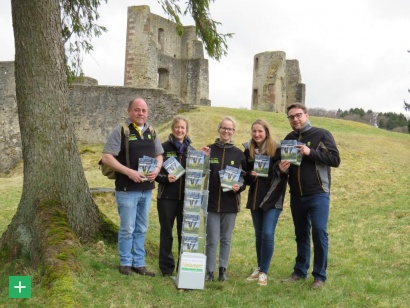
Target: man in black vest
133,190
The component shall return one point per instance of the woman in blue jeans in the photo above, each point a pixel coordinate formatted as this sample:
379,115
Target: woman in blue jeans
267,187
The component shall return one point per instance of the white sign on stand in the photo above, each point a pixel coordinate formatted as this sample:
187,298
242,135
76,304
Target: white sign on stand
191,272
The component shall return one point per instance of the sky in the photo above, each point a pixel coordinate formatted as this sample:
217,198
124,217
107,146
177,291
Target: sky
351,53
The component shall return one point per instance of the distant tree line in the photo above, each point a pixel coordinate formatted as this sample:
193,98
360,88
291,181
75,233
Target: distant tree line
384,120
406,104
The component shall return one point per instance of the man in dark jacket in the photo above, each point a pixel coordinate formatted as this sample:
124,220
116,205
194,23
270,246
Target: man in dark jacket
309,185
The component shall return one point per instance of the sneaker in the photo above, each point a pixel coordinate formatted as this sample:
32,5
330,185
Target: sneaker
292,278
254,276
263,279
317,284
142,271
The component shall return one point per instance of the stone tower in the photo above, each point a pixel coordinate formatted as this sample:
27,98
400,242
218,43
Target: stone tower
157,57
276,82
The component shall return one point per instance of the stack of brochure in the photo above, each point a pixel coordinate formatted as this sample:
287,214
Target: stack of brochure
195,202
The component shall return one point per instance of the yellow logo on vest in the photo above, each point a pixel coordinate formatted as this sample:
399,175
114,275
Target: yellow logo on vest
132,137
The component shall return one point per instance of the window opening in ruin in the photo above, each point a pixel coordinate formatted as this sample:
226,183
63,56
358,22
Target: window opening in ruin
255,97
161,38
256,63
163,78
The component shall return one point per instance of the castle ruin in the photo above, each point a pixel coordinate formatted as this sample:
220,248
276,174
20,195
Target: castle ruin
167,70
157,57
276,82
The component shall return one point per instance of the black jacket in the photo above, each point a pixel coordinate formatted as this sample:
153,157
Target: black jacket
223,154
313,174
174,190
265,193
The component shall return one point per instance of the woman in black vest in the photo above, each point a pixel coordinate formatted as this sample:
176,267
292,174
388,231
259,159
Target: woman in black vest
170,198
223,206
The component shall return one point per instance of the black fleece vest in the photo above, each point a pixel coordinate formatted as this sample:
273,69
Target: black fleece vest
138,147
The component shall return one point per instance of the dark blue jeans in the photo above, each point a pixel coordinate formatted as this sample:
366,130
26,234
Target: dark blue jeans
311,213
265,225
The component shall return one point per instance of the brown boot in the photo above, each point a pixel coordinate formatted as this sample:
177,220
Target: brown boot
142,271
125,270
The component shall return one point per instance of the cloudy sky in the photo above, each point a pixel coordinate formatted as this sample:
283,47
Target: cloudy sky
351,53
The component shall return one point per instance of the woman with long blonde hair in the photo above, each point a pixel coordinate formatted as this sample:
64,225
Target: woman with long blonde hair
265,196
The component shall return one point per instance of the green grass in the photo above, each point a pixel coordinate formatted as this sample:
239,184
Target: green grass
369,231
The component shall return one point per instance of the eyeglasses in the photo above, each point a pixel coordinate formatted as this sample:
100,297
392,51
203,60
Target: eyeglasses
229,130
296,116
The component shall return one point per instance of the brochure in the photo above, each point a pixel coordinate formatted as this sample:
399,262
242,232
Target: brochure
195,160
193,179
146,165
230,176
191,223
173,166
290,152
192,200
190,243
261,165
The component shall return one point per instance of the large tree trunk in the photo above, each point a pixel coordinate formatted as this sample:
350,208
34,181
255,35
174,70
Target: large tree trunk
56,207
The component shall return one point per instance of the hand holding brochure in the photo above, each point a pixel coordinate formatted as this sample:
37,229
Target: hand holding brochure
290,152
146,165
173,166
230,176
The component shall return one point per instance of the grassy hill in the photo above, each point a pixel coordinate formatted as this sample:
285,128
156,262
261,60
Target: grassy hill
369,231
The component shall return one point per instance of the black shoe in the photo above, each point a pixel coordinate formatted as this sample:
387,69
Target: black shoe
142,271
209,276
125,270
222,274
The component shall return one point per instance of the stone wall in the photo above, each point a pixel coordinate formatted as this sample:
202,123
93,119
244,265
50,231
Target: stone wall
95,111
276,82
